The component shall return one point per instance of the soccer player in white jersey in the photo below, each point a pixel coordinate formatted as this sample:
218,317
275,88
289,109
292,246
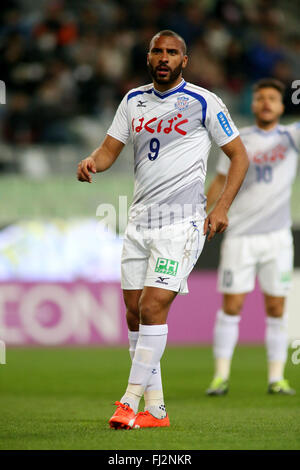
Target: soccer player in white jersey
258,240
171,124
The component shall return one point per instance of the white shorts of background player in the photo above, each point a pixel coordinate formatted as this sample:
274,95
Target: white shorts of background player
269,256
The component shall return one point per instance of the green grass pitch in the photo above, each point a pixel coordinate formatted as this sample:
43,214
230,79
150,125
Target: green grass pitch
63,398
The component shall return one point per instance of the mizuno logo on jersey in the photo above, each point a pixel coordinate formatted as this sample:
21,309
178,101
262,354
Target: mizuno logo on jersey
141,104
161,126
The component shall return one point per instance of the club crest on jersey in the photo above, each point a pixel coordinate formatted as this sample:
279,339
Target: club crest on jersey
182,103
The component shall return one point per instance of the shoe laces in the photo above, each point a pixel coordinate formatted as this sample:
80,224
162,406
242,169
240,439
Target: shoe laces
144,413
125,407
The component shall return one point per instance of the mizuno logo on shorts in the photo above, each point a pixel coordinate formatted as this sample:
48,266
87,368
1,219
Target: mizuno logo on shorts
161,280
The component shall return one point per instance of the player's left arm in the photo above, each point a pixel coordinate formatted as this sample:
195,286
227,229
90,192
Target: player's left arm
217,220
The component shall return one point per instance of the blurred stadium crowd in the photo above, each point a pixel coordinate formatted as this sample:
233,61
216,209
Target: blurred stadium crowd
60,59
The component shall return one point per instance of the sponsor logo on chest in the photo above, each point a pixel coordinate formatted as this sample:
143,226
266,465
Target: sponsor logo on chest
275,154
157,125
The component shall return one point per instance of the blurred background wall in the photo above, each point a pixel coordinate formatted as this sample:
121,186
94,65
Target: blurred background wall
66,65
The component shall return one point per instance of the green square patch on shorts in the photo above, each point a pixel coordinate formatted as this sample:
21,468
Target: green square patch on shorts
166,266
286,277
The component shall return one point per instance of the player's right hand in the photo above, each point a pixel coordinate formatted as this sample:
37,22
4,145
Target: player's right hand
215,222
84,168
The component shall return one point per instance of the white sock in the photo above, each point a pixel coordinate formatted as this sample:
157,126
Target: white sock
154,398
133,337
222,367
149,350
277,345
133,396
226,334
155,382
154,403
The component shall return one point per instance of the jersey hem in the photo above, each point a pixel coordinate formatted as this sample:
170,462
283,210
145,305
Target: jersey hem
226,141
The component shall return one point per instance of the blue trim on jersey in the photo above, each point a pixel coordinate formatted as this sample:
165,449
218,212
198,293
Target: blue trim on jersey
198,241
202,101
277,130
138,92
290,139
273,131
165,94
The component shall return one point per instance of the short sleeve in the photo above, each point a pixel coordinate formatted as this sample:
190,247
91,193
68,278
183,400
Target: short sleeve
294,131
223,164
119,128
218,121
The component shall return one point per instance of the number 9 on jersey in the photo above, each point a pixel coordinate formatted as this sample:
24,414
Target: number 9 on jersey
154,149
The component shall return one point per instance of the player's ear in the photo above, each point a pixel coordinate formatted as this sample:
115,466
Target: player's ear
185,61
282,109
148,58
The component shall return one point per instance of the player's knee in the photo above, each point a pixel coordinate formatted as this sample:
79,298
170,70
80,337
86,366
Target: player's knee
133,319
132,306
233,304
233,308
275,311
150,312
232,311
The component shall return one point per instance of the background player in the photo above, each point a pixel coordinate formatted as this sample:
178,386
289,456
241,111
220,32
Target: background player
170,123
258,239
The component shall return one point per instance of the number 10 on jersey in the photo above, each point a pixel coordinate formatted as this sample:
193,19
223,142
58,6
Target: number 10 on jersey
263,173
154,147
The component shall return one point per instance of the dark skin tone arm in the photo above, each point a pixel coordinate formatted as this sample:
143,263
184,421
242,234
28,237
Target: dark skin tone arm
217,220
100,160
214,190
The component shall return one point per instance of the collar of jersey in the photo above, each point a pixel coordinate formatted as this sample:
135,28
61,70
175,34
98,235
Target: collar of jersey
272,131
164,94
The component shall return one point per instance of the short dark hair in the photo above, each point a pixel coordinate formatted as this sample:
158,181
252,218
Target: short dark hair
169,32
269,83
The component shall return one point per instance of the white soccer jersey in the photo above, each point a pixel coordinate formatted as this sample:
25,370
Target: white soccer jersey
263,202
171,134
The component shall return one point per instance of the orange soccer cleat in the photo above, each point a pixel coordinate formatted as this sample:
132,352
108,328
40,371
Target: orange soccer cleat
123,417
144,419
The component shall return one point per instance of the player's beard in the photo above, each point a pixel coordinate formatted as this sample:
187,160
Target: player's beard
174,74
270,120
267,122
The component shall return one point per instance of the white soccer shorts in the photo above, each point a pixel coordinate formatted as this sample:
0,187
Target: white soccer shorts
269,256
161,257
